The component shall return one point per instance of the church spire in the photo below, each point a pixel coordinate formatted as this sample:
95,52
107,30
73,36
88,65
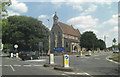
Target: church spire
55,18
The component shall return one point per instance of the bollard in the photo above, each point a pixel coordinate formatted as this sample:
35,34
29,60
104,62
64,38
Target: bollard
66,61
89,52
81,53
51,59
16,55
11,55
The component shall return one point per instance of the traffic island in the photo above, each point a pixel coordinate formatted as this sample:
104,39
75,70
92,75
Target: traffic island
67,69
87,55
65,66
51,65
77,56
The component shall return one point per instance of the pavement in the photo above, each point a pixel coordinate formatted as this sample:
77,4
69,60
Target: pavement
96,64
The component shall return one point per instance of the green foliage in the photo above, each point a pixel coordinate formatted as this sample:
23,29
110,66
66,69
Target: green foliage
2,6
0,43
101,44
27,32
89,40
3,14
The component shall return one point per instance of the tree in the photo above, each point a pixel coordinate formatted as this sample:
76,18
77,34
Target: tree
88,40
3,14
101,44
114,41
27,32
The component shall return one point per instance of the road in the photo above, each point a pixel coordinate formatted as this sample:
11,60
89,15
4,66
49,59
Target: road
30,67
96,64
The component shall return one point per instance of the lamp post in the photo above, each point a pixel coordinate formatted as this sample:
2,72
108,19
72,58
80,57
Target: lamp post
49,34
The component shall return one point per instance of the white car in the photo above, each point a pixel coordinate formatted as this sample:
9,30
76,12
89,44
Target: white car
116,51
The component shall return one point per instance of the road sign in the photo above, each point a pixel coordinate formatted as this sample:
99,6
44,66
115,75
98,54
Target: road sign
58,49
66,57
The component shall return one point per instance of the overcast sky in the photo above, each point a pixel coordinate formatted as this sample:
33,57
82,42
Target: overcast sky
99,17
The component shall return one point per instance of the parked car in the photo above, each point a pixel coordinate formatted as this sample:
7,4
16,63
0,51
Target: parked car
116,51
28,55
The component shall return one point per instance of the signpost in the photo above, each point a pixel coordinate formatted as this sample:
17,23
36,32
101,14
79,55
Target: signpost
66,60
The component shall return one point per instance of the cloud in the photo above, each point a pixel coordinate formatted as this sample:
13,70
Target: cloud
19,6
76,6
69,0
43,16
95,31
83,22
11,13
90,9
111,22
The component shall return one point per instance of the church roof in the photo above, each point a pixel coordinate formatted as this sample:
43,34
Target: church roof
69,29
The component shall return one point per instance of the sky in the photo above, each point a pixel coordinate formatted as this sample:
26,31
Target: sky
100,17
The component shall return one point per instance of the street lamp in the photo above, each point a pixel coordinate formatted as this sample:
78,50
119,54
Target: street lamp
49,34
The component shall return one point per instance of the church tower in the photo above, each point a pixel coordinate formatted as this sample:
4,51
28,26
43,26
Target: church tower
55,18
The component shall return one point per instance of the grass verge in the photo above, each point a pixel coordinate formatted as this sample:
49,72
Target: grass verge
115,57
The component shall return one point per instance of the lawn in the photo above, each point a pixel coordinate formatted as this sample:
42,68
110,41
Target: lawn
115,57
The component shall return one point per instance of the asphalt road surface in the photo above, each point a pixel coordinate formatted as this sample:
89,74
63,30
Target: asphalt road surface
30,67
96,64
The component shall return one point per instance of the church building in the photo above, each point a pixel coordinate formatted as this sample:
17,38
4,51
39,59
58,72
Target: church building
63,35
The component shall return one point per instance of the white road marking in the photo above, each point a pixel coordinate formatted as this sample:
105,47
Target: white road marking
35,60
63,74
27,65
87,74
84,73
6,65
81,74
17,65
0,65
37,65
69,72
12,68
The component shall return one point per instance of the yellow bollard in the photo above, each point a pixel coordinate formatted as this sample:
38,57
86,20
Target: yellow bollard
81,53
89,52
66,60
16,55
